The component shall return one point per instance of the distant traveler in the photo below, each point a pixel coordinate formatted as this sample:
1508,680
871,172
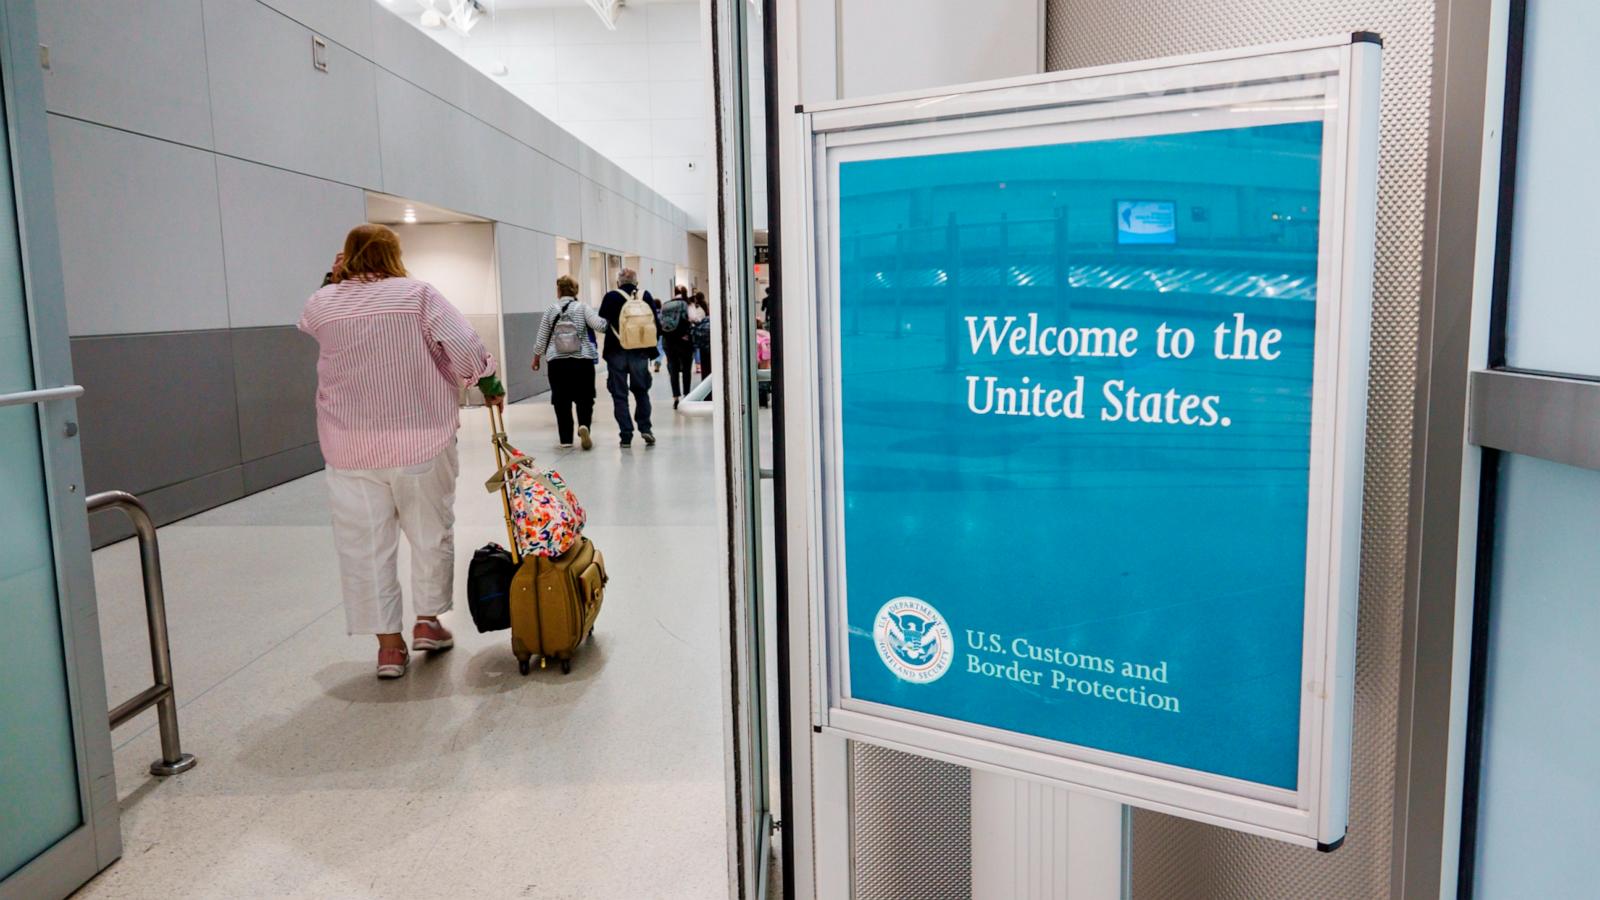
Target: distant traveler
631,329
565,339
677,336
700,315
394,356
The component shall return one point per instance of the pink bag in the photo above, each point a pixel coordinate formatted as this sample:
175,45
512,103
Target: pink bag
763,349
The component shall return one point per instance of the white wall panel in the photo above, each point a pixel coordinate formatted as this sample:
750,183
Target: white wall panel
410,54
155,85
579,25
601,63
676,61
428,146
899,45
566,202
674,174
141,241
347,21
528,28
678,100
614,100
269,105
280,231
458,258
673,22
678,137
527,269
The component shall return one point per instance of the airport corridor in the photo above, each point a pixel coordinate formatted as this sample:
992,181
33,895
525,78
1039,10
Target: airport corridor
463,778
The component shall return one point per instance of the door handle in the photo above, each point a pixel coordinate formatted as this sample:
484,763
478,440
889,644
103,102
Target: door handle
43,395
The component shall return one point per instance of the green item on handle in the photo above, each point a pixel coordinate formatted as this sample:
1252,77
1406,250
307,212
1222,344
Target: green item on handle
491,387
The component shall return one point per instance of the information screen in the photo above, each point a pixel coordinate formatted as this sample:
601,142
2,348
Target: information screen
1146,222
1075,488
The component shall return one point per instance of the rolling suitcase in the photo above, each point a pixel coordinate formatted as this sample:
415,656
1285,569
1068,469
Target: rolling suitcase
552,600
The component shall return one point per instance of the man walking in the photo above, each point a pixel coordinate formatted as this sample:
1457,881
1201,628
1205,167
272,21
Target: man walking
631,331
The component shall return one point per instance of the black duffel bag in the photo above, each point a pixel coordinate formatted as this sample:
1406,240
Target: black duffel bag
489,587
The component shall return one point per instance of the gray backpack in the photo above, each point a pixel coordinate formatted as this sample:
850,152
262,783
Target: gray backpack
566,337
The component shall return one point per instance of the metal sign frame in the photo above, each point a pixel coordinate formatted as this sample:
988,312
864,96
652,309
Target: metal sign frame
1334,80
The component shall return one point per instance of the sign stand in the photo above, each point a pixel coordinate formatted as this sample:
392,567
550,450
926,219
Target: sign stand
1088,427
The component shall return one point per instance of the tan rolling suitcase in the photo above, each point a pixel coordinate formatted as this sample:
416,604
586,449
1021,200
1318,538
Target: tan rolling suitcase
554,603
553,600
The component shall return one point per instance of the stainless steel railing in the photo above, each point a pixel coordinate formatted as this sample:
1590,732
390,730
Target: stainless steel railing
173,760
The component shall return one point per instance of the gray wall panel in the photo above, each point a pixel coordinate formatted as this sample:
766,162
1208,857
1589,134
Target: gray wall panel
275,373
271,471
91,58
158,409
141,240
170,504
280,231
1179,859
521,381
269,105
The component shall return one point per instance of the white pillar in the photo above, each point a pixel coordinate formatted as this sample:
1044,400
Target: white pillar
1031,841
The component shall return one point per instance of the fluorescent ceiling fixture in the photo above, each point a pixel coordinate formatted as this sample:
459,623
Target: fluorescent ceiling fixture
460,15
607,10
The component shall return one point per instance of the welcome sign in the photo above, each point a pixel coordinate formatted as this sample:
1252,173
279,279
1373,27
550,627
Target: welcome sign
1096,456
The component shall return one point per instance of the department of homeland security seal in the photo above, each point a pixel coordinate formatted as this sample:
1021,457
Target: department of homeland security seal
913,640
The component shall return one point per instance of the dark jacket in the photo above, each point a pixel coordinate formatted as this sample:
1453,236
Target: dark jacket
611,311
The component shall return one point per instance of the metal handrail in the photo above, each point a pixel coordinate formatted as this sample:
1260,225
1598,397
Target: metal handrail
173,760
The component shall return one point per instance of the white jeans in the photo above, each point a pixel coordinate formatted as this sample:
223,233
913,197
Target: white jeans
370,509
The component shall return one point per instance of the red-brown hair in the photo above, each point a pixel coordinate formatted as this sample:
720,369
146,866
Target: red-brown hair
371,252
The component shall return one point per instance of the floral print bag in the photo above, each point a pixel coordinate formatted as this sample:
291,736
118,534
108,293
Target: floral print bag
542,512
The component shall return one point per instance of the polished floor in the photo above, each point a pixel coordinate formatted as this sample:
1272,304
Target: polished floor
464,779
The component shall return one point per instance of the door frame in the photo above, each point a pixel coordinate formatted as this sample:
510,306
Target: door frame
97,841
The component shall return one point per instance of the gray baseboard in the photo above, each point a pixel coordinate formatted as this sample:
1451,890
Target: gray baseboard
171,503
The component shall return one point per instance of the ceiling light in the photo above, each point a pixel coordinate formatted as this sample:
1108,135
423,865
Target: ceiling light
431,19
410,216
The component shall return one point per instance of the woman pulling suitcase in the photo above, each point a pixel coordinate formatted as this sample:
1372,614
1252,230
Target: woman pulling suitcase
393,357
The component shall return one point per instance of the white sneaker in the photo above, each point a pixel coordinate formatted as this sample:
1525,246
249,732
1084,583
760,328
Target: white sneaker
563,446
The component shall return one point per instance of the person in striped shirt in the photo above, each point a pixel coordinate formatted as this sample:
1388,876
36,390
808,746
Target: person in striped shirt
393,357
565,339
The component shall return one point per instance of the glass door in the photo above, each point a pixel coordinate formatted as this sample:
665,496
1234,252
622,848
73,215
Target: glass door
58,823
744,408
1532,777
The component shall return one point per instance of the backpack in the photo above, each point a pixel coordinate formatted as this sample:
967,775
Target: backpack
566,337
702,331
763,349
636,323
674,316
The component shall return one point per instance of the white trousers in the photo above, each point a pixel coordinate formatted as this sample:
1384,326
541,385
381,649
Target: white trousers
370,509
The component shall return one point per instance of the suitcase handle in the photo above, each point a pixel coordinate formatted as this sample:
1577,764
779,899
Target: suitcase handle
497,424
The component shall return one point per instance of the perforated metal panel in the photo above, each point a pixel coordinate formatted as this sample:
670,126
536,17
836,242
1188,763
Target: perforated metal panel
910,827
1175,859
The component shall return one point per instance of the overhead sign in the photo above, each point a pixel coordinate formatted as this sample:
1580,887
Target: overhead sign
1093,516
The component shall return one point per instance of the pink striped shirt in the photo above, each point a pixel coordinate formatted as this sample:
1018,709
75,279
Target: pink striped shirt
394,357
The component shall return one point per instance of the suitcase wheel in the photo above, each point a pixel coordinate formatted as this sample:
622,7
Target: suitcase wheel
523,666
566,666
